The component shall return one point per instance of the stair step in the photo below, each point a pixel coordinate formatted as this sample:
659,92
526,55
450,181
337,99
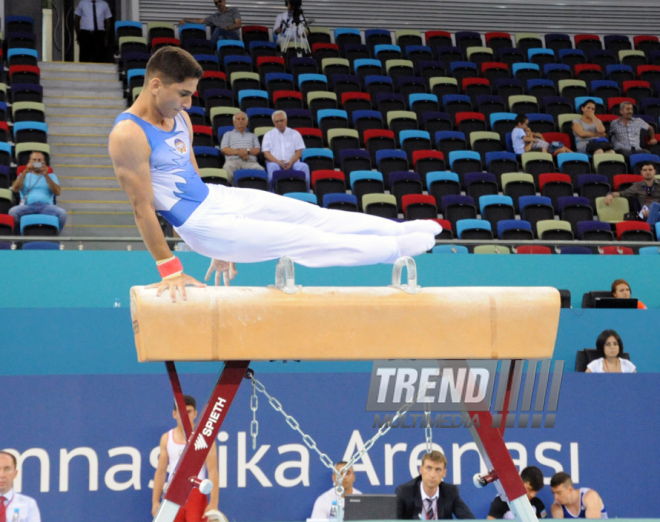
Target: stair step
92,160
101,231
62,169
92,205
83,110
84,93
81,85
80,218
79,148
77,139
89,195
70,128
81,120
64,140
77,66
72,74
84,101
90,182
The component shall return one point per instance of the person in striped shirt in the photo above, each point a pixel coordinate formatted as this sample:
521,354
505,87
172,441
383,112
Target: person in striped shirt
240,147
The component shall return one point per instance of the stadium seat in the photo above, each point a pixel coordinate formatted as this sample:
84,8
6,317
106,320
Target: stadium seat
614,212
425,161
366,182
251,178
473,229
535,208
328,182
419,206
554,230
39,225
634,231
574,210
449,249
455,208
318,159
354,159
555,186
442,183
391,160
346,202
285,181
496,208
533,249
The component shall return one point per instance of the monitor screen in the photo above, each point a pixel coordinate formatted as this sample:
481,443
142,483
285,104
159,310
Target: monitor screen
613,302
370,507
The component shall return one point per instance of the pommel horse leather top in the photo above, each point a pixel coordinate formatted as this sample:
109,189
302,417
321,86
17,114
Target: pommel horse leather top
346,323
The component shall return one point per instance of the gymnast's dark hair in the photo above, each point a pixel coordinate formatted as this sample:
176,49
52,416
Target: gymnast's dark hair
602,339
560,478
173,65
189,400
534,476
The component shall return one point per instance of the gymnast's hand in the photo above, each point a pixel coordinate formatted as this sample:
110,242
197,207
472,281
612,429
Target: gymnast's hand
226,268
176,283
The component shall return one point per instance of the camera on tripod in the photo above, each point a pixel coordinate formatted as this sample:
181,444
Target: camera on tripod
295,29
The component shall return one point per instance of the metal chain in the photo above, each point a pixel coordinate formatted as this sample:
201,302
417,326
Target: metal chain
254,425
311,443
293,423
427,429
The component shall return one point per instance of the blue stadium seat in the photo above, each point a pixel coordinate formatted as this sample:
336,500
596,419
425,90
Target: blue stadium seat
338,199
40,224
517,225
579,250
467,225
302,196
449,249
40,245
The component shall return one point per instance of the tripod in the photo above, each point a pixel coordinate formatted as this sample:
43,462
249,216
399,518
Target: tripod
298,33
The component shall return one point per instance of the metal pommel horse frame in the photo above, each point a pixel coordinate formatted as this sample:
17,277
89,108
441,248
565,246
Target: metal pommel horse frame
233,324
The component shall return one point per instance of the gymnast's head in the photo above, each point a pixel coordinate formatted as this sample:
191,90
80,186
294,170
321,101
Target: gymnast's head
171,80
191,407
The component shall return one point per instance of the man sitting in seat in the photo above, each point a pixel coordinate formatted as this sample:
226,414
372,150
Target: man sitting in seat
240,147
224,23
283,147
38,189
646,192
625,132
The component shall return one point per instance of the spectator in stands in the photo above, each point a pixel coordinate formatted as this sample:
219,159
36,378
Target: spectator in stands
524,140
608,349
38,189
9,499
284,23
621,290
224,23
323,504
283,147
532,478
626,131
427,497
240,147
93,30
646,192
572,503
589,131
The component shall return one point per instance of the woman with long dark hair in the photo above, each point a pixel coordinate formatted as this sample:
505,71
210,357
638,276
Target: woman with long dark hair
609,348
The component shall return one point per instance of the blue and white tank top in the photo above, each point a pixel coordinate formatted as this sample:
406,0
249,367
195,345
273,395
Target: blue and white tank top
178,190
583,510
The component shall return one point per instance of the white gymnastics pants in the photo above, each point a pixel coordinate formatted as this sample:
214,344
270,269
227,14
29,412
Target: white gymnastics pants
247,226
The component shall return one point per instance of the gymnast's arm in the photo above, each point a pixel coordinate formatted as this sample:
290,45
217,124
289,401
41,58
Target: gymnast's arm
129,150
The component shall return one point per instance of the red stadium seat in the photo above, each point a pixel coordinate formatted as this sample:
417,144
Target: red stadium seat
157,43
558,136
533,249
627,226
553,177
614,103
621,179
616,250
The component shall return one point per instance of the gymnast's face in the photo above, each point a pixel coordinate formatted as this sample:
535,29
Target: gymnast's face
192,415
172,98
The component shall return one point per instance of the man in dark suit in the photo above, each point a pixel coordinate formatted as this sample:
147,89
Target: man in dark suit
427,497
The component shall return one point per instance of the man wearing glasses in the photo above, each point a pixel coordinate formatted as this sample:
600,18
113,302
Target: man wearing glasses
225,22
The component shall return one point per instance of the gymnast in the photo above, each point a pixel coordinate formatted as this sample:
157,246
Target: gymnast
151,150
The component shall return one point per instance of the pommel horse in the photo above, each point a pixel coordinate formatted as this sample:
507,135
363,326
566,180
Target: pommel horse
401,321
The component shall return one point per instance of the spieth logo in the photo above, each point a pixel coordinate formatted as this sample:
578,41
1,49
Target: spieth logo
213,418
200,443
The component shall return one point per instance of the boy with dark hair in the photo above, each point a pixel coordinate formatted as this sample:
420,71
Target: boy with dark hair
574,503
532,478
172,444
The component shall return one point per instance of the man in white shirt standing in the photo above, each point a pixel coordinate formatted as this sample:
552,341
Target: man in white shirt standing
93,30
323,504
282,148
10,501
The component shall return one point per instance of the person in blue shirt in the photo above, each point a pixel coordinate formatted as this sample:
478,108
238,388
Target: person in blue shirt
38,189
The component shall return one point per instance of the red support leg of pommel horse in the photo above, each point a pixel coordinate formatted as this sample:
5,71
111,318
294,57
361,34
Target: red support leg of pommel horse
237,324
